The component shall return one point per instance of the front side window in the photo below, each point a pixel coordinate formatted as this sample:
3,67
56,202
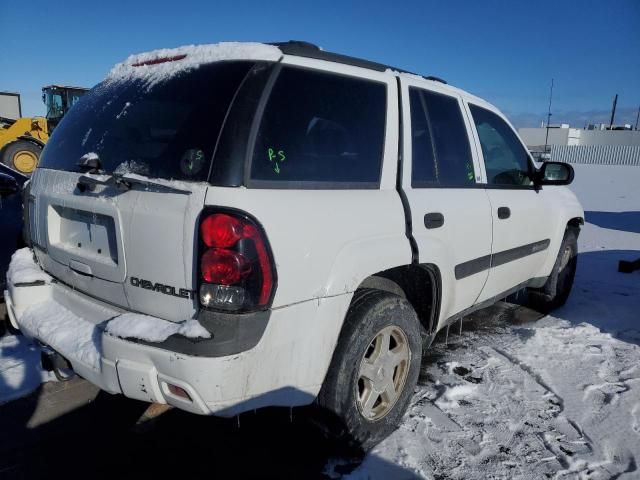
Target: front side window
320,130
441,154
505,159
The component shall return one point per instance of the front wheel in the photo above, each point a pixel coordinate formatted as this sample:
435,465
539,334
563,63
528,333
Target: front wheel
374,369
556,290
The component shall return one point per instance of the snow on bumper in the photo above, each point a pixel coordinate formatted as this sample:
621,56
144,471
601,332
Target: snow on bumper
286,367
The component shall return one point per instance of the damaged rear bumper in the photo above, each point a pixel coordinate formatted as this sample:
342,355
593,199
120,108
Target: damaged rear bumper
211,375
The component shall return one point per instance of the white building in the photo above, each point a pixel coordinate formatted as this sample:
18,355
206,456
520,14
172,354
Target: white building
535,137
575,145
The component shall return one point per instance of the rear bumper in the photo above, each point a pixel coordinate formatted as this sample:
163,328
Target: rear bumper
286,367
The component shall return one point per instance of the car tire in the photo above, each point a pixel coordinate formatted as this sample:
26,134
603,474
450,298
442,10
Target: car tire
557,288
381,339
21,156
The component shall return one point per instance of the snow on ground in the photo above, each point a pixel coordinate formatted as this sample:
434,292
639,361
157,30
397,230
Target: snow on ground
557,397
20,371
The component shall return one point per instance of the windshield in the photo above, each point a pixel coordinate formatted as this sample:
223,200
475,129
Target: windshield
167,131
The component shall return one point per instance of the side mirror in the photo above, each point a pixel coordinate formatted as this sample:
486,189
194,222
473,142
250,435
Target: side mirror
8,185
555,173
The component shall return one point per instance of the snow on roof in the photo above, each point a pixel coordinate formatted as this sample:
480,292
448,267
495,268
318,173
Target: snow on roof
160,65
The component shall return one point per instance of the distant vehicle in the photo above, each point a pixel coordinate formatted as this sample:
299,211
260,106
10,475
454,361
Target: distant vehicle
10,217
23,138
246,225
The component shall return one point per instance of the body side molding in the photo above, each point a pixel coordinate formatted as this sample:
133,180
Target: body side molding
485,262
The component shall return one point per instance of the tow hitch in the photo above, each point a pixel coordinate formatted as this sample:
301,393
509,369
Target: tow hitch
52,361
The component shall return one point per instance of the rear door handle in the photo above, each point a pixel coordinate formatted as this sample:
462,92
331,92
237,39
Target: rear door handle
81,268
433,220
504,212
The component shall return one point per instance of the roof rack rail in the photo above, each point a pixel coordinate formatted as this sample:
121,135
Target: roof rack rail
293,44
436,79
301,48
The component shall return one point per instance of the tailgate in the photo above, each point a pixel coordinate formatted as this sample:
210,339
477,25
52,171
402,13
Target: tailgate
132,248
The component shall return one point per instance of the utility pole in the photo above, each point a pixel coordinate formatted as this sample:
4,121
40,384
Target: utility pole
637,117
613,111
546,138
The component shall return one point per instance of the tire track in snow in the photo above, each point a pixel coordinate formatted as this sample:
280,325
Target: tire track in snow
528,370
564,438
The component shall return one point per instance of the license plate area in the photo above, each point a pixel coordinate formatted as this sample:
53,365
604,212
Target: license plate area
83,234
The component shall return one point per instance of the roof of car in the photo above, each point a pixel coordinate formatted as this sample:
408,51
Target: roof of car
309,50
158,65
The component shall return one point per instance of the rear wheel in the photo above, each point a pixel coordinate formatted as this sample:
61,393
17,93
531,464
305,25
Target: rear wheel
374,369
556,290
21,156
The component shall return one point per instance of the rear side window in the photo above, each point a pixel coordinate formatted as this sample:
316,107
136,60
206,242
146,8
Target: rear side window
320,130
168,130
440,144
505,159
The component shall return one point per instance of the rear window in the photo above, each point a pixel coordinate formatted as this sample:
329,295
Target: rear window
320,130
166,131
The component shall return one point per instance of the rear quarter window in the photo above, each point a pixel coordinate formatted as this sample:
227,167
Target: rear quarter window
320,130
440,144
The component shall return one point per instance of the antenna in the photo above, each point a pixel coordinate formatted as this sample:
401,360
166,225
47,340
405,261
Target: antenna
546,138
613,111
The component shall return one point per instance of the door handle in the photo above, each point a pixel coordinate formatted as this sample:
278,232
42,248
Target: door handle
504,212
433,220
81,268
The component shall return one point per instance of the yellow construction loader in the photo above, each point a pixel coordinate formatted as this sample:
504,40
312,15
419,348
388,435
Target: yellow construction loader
23,138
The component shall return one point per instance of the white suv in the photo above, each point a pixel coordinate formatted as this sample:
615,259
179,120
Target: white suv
239,225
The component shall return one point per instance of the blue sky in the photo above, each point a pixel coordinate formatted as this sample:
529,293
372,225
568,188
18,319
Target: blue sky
504,51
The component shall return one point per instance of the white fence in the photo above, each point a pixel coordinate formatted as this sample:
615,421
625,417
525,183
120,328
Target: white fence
597,154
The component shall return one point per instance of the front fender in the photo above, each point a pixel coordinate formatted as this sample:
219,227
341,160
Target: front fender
567,207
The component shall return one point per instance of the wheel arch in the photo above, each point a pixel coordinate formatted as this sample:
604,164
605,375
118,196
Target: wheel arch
419,284
575,222
26,138
30,139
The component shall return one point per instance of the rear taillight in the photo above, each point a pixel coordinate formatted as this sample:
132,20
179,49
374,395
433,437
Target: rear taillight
236,269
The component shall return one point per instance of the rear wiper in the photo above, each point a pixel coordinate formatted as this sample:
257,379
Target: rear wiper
90,163
125,182
88,181
129,179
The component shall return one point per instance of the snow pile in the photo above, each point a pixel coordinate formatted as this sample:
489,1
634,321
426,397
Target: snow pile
24,269
152,329
67,333
151,70
90,155
453,395
132,167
